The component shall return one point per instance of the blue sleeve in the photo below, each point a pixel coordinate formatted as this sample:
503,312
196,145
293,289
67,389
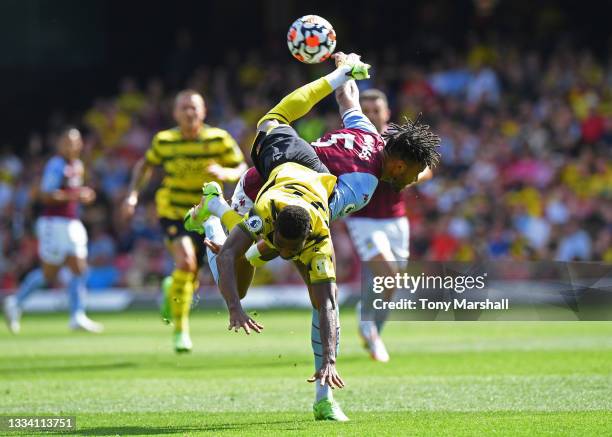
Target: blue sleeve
355,119
353,191
53,175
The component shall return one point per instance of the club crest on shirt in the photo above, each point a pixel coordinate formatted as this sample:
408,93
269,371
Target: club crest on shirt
254,224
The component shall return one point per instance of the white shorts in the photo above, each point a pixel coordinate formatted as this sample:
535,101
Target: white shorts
60,237
373,236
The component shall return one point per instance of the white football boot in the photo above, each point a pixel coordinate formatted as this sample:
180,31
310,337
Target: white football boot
80,322
12,314
371,340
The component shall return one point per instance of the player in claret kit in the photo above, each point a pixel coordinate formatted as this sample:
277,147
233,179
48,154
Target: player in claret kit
379,230
62,238
354,154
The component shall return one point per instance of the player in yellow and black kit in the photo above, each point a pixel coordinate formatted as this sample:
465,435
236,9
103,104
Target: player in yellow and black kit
191,154
307,192
292,215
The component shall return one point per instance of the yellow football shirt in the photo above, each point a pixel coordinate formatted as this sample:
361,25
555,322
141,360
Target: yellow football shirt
185,163
294,184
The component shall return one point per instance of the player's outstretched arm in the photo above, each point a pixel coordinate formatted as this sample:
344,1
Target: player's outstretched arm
140,178
325,297
235,247
347,97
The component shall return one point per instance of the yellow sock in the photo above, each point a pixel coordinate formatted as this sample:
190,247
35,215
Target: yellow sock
230,218
181,294
299,102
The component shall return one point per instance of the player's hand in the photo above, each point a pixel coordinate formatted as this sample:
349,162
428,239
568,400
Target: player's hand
128,206
221,173
328,375
239,319
341,59
86,195
214,247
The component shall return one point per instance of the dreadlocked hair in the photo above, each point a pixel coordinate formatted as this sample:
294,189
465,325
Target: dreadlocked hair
412,142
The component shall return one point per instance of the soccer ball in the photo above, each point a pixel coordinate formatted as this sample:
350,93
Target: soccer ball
311,39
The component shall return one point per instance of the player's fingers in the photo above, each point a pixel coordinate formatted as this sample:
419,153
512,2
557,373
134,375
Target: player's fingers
328,380
338,382
313,378
254,326
212,246
245,326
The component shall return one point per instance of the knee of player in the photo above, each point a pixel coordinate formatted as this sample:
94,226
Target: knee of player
381,265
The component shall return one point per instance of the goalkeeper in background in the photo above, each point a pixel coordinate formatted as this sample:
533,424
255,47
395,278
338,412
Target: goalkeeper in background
191,154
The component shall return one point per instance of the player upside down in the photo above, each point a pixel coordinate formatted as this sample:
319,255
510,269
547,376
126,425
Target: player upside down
292,213
379,230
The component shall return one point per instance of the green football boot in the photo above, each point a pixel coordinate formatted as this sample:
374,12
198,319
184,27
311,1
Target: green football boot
182,342
165,309
328,410
360,71
200,212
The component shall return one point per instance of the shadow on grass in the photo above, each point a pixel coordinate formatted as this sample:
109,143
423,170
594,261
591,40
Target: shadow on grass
68,368
286,425
259,363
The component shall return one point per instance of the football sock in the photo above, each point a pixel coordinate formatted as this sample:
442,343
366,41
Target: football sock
214,232
181,294
338,77
33,281
230,219
218,206
381,319
321,391
76,293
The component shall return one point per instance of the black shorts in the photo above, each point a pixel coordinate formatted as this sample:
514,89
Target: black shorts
174,229
282,145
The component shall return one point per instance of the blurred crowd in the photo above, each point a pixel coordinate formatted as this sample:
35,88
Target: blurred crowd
526,172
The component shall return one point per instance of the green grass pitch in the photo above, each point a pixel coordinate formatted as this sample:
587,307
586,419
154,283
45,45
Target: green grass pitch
444,378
